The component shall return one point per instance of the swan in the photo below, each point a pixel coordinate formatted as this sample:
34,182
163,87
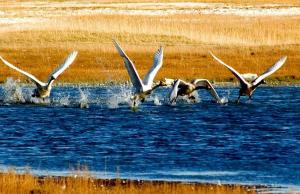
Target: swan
182,88
247,88
142,87
43,89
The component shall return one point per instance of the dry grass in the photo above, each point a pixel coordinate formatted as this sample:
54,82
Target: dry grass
292,2
250,44
14,183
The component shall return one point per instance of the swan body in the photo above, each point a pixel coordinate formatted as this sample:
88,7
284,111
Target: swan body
43,89
182,88
247,88
142,88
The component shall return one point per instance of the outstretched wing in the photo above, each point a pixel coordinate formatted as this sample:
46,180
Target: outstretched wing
157,63
233,71
30,76
68,61
174,92
133,74
204,83
270,71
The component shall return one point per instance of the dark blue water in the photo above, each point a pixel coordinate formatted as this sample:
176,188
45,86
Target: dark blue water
251,142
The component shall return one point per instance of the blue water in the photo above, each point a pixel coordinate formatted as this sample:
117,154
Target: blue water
255,141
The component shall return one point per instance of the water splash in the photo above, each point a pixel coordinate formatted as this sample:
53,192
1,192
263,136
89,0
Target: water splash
120,95
13,91
83,101
223,100
64,101
41,101
156,101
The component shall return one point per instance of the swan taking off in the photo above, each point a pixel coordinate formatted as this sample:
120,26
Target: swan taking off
247,88
182,88
43,89
142,87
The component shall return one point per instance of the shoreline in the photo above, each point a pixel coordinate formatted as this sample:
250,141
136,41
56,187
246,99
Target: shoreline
74,183
89,184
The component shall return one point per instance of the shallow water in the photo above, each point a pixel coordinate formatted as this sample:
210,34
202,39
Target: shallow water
252,142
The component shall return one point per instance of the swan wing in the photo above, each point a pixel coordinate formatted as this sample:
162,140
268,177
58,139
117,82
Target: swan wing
208,86
157,63
233,71
174,91
30,76
133,74
270,71
68,61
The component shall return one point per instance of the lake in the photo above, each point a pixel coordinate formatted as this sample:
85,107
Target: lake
254,142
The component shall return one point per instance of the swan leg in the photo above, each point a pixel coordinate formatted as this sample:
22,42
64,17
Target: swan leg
238,100
135,98
134,103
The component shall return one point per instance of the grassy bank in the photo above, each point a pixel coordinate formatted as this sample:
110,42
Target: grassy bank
249,44
10,182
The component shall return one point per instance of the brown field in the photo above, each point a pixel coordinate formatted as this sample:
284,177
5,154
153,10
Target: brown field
292,2
248,43
11,182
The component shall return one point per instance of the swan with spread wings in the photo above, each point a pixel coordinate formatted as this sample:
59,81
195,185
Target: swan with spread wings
142,88
43,89
182,88
247,88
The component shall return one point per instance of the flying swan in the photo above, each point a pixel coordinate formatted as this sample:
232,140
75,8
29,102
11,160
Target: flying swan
182,88
142,87
247,88
42,89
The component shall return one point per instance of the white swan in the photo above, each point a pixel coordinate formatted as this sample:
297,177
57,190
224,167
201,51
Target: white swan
142,87
43,89
182,88
247,88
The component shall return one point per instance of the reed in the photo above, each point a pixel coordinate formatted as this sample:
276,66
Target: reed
11,182
251,2
250,44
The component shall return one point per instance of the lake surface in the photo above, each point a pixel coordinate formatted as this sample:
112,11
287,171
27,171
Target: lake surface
254,142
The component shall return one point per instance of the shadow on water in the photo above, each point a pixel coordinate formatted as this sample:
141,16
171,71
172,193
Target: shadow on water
255,141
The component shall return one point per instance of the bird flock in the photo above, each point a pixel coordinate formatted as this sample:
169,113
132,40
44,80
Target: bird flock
142,88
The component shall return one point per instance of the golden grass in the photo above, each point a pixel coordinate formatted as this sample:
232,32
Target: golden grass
11,182
250,44
292,2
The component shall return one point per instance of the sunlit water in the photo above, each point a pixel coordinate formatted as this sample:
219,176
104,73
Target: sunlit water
256,142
